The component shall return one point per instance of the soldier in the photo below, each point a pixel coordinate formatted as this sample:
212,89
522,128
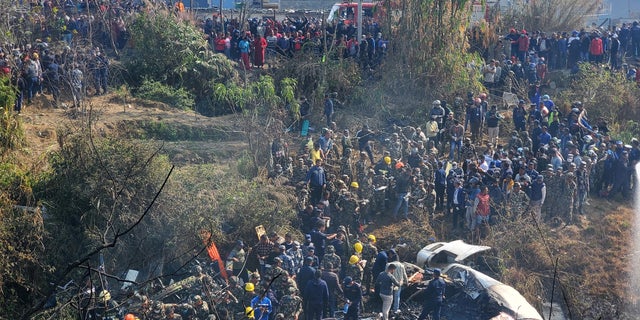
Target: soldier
331,261
514,142
300,171
554,187
361,167
369,254
236,259
303,200
517,202
468,150
346,165
381,186
569,191
291,304
201,309
297,257
348,209
429,200
278,277
232,304
582,181
157,312
394,145
204,283
354,269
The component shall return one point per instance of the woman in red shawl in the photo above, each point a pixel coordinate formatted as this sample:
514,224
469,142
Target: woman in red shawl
260,47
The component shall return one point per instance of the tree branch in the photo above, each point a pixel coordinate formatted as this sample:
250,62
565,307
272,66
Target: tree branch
96,250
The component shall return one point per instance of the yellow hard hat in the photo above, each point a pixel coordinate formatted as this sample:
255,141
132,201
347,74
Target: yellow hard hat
104,296
249,287
372,238
387,160
355,185
354,259
248,311
358,247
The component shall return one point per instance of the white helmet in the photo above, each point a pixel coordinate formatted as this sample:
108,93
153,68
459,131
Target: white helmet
436,102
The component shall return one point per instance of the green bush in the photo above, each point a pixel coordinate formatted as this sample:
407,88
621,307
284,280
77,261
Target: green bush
156,91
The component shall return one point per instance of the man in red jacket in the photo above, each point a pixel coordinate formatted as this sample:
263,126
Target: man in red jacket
596,49
523,45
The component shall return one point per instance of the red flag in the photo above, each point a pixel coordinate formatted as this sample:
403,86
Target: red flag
212,250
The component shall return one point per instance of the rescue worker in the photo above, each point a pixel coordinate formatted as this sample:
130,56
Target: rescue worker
353,294
434,295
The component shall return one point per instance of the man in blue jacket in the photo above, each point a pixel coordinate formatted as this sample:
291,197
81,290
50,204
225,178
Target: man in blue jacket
315,295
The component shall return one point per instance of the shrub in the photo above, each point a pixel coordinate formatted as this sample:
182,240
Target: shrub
156,91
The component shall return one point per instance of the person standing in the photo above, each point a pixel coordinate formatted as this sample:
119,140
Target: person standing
537,196
260,47
243,46
399,274
353,294
434,296
386,283
493,121
457,133
481,211
459,204
101,74
364,137
262,307
440,185
317,180
402,190
315,295
236,259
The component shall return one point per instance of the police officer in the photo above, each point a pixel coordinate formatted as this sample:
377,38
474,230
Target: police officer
434,295
353,294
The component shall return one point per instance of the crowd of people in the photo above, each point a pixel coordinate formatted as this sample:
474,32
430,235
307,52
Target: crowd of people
529,56
543,171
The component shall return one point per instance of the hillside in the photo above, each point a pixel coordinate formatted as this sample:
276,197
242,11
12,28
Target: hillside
591,255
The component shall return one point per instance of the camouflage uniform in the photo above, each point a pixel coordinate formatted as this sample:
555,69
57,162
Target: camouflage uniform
331,261
345,167
361,169
378,200
582,189
303,200
369,253
517,204
291,305
468,151
238,293
568,196
395,148
427,172
554,189
347,206
299,172
355,271
429,202
515,142
280,282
